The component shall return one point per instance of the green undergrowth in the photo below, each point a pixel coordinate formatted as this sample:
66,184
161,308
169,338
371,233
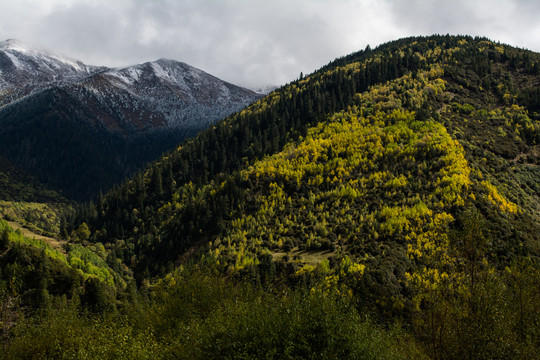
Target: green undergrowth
196,316
42,218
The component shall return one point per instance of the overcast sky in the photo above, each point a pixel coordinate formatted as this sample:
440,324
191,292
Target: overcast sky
253,42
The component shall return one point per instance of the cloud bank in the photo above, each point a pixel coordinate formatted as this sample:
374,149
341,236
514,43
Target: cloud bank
253,42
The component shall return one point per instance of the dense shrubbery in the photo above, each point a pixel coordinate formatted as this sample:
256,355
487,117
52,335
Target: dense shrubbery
33,274
194,315
197,316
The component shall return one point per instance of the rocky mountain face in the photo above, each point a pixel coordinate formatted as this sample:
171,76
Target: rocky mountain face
52,108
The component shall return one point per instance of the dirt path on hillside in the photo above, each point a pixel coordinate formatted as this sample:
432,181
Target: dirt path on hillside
54,243
534,153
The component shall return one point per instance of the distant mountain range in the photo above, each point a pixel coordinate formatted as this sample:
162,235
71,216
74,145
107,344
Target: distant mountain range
60,118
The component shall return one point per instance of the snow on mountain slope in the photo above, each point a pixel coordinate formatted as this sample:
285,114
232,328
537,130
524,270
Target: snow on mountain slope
162,93
24,70
24,58
159,94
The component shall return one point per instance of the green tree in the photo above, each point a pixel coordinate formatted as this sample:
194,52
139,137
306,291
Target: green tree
4,239
83,232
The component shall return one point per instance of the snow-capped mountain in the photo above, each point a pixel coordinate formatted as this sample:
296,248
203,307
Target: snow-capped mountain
21,62
163,93
82,128
159,93
24,69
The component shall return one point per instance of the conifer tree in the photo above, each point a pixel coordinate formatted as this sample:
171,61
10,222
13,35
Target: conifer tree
4,239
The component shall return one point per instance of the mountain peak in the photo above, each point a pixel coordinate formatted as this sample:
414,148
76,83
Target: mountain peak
8,42
168,62
16,45
24,64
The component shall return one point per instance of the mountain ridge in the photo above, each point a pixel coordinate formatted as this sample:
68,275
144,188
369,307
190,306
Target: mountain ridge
133,113
46,69
409,61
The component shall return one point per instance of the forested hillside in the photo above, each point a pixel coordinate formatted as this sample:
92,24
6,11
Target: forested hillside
385,206
462,94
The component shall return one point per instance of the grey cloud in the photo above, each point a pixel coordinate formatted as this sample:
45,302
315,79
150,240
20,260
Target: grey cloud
511,21
252,42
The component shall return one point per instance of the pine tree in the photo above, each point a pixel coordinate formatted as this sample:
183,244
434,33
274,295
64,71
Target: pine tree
4,239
